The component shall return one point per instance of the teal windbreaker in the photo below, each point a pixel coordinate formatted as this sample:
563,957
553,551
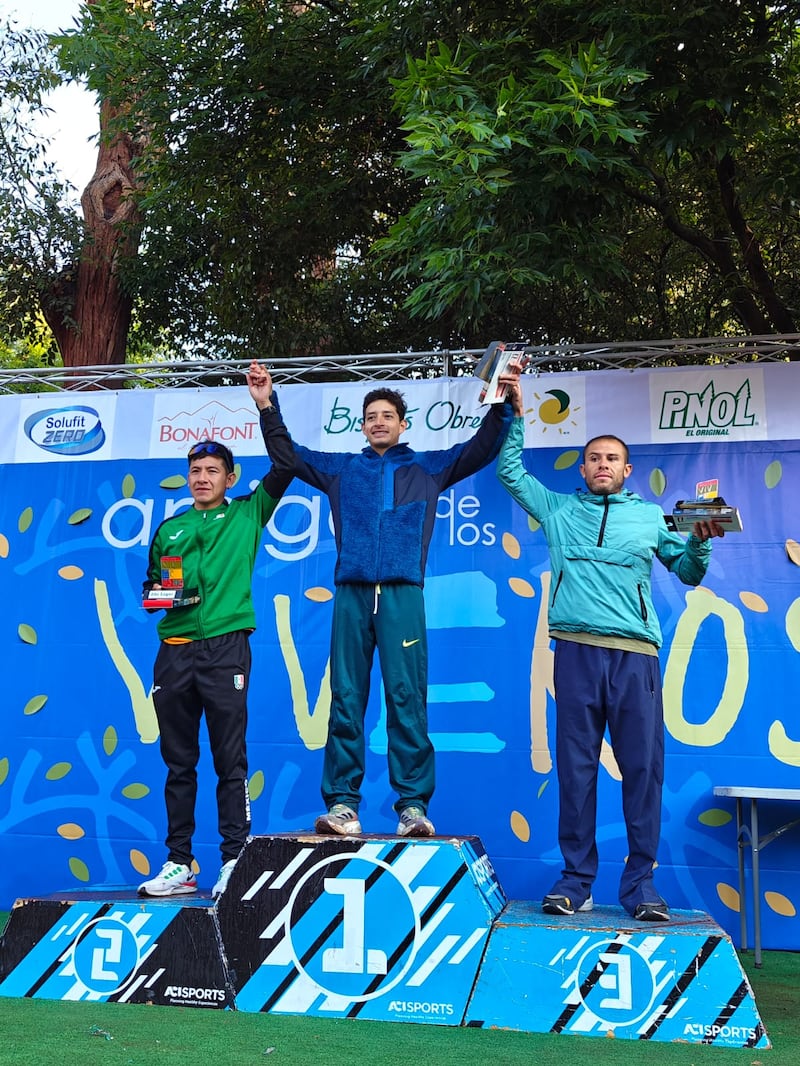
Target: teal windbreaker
601,552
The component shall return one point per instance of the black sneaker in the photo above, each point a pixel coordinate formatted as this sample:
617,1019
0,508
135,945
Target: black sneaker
652,912
555,904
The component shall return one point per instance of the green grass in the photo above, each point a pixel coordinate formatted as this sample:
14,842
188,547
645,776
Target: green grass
54,1033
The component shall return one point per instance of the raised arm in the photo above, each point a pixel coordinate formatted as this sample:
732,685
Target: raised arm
276,436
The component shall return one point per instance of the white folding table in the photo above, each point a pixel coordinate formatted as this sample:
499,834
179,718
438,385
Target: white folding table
747,835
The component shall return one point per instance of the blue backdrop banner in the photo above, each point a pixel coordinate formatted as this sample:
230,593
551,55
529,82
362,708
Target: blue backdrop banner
87,479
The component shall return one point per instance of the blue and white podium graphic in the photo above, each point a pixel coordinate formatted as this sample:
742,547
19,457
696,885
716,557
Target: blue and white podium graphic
388,929
370,927
111,946
603,974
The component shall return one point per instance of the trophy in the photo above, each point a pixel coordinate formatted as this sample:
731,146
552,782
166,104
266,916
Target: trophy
708,506
172,592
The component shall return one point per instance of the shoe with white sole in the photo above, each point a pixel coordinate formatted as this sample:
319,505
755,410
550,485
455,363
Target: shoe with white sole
340,820
414,823
556,904
223,879
174,879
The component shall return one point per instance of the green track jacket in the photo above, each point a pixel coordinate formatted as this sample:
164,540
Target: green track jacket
219,548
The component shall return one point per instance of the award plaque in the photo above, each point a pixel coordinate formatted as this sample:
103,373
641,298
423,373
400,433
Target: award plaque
707,506
172,592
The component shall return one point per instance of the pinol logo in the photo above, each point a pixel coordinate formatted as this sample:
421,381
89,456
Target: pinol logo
66,430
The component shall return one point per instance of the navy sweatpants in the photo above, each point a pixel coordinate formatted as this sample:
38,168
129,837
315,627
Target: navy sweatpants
210,676
595,687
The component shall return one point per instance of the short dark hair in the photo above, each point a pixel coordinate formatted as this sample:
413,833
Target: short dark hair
608,436
212,447
391,396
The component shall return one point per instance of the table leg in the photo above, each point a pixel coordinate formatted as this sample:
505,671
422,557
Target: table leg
741,832
754,850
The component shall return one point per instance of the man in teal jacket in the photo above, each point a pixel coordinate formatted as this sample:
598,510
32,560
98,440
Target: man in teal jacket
203,662
601,616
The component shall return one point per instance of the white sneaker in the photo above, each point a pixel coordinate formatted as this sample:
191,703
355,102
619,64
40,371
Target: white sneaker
223,879
175,879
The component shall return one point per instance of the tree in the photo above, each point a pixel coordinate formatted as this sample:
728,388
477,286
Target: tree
269,173
704,163
51,262
39,231
569,168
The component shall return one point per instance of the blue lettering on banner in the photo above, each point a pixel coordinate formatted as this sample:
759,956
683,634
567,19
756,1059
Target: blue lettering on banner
66,430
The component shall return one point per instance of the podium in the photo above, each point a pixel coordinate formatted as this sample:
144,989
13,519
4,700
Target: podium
385,928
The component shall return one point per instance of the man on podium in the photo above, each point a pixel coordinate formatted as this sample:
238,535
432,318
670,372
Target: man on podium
203,662
601,616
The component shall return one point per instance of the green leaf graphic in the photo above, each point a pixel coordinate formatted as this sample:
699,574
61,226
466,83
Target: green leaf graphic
27,634
110,740
566,459
256,785
58,770
79,869
135,791
714,817
773,474
35,703
658,482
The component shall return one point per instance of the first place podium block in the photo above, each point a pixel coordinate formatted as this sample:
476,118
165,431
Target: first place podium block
384,928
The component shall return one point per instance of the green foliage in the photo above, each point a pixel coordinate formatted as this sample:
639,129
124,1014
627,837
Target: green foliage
40,232
672,198
513,150
378,174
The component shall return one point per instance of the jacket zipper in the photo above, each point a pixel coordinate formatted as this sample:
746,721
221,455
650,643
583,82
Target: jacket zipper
602,532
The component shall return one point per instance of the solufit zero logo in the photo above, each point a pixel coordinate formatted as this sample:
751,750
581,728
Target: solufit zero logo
66,430
710,413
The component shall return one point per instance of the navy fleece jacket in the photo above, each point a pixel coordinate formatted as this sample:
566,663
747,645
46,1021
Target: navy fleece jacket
384,506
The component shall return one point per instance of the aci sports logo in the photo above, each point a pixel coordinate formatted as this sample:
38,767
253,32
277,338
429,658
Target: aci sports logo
190,994
66,430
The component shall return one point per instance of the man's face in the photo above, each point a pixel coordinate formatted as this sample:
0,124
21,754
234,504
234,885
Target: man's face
604,468
208,481
382,425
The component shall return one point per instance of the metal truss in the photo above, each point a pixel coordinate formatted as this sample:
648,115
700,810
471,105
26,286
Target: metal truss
396,366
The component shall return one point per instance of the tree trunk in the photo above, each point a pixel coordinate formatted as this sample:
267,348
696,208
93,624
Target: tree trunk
89,312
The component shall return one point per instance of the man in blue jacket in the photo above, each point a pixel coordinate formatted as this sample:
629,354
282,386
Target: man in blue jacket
602,542
383,504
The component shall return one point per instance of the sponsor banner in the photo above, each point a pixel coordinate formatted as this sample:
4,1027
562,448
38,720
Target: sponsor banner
708,404
181,419
555,410
65,427
561,411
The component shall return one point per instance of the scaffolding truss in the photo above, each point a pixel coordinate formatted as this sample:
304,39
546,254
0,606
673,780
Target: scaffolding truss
398,366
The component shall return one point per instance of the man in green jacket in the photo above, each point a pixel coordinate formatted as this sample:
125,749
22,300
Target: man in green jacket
203,663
